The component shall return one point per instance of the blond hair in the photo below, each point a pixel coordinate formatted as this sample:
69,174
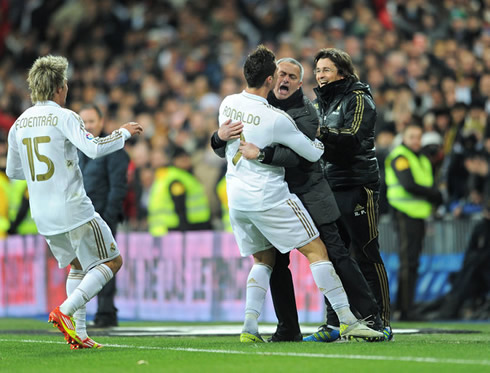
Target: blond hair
47,74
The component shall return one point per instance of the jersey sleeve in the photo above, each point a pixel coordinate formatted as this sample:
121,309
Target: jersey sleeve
14,163
92,147
286,133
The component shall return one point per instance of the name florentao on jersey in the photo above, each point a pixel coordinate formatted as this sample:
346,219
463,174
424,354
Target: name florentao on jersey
241,116
39,121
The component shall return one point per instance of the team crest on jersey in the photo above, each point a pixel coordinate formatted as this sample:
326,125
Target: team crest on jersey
113,247
89,136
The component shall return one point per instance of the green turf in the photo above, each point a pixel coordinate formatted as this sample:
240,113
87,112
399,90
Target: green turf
26,351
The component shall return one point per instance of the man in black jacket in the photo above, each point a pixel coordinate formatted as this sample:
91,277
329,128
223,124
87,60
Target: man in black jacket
306,180
347,119
105,180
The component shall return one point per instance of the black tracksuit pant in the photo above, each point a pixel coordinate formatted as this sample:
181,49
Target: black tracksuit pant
360,296
358,228
411,233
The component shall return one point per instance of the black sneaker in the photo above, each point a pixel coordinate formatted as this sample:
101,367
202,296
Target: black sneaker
276,337
103,323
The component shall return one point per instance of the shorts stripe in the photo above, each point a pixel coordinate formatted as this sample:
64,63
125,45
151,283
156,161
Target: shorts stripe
104,247
102,242
98,239
301,216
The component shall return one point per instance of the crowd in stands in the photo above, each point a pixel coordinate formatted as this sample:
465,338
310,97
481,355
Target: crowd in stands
168,64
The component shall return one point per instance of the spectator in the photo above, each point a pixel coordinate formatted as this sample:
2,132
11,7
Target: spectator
412,195
106,184
177,199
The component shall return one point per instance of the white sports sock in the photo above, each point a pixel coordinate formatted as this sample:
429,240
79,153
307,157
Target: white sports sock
330,285
75,277
89,287
257,285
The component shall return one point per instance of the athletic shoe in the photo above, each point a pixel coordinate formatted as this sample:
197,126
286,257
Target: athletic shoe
388,334
86,343
65,324
251,338
358,329
324,334
277,337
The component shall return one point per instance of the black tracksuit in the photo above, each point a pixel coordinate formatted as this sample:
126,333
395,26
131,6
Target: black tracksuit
347,119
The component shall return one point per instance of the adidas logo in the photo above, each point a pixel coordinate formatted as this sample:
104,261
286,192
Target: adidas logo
359,210
252,281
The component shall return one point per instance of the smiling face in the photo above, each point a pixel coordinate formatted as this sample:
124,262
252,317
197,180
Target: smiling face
326,72
288,80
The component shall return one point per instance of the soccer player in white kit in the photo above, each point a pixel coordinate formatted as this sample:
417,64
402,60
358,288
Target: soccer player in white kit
263,213
42,149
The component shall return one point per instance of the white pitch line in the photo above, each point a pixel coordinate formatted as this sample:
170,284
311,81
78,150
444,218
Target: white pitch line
413,359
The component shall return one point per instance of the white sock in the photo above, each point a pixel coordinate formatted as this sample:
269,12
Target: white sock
89,287
75,277
330,285
257,285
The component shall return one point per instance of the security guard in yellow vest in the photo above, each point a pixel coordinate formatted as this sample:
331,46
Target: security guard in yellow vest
412,195
21,221
177,199
223,197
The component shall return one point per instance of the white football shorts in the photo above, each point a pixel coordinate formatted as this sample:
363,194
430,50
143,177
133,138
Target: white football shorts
286,226
92,243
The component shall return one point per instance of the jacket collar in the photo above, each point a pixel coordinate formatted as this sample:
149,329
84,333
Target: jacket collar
293,101
328,91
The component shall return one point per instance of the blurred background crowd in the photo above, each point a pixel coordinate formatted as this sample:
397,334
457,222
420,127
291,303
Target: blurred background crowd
167,64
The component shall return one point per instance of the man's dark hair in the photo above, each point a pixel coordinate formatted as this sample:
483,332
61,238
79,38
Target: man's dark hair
341,60
92,106
260,64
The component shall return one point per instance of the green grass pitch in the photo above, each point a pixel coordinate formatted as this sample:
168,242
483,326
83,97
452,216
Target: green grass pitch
28,345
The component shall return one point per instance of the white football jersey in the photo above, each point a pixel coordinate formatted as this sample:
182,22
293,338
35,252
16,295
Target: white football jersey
251,185
43,144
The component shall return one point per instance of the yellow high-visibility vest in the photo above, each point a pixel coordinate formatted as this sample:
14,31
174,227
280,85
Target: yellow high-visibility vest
161,209
398,197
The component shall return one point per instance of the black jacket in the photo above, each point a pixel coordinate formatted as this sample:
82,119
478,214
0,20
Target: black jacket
106,184
305,179
347,119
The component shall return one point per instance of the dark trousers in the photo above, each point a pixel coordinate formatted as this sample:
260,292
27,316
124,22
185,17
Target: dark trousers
358,228
358,291
411,234
282,292
357,287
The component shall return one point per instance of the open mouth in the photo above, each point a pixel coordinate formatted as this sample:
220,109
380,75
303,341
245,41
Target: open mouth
284,89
